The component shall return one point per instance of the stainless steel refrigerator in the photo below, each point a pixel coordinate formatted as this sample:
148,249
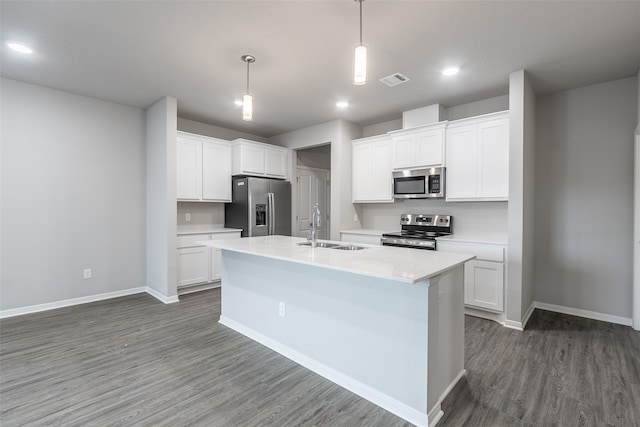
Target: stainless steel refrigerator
259,206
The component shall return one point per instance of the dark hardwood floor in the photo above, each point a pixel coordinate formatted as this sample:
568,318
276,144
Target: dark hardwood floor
135,361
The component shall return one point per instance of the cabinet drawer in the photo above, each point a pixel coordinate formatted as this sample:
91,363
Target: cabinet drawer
190,240
482,252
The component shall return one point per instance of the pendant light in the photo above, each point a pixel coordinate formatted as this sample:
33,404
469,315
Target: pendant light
360,60
247,99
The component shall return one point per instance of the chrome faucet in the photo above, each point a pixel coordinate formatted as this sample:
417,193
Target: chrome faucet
312,233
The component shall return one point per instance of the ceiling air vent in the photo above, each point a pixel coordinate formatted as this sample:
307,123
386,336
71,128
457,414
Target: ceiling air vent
394,79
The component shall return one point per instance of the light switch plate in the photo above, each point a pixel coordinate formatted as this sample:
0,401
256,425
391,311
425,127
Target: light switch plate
87,273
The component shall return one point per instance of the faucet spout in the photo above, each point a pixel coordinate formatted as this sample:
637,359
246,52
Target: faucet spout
312,235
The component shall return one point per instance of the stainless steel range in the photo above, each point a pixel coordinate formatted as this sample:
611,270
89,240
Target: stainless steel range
419,231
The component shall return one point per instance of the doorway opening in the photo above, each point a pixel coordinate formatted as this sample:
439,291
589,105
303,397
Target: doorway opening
312,184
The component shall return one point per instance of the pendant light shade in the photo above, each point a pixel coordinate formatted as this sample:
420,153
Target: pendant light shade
247,107
360,58
247,99
360,66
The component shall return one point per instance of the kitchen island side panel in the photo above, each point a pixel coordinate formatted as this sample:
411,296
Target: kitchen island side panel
373,330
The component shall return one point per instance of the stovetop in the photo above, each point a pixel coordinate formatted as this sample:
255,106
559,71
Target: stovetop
423,226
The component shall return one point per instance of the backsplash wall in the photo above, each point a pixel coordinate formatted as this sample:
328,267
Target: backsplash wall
477,219
204,216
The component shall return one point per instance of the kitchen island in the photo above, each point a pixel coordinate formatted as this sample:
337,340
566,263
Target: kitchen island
386,323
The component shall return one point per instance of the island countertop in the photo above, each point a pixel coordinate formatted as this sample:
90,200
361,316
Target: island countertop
387,262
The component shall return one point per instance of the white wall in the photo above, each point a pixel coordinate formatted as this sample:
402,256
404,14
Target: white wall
472,109
636,245
204,216
584,197
315,157
381,128
520,215
73,196
162,275
471,219
339,134
205,129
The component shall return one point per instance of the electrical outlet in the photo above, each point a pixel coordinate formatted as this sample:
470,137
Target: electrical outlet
87,273
187,217
282,309
355,217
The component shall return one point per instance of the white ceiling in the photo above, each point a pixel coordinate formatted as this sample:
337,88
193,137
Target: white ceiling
136,52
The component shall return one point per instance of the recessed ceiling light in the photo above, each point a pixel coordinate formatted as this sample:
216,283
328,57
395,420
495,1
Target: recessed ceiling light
450,71
238,102
342,104
19,47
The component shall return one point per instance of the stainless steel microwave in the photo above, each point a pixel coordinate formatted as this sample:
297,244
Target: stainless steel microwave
419,184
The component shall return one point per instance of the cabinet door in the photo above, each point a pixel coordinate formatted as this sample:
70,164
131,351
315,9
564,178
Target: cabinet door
461,162
381,172
493,159
276,163
363,161
429,146
216,172
484,284
404,151
193,265
189,169
252,159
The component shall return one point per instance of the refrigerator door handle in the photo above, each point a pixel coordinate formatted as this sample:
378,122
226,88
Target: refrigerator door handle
271,213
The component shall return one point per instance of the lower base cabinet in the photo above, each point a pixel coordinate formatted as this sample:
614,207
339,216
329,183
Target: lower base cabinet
484,284
193,266
198,265
483,276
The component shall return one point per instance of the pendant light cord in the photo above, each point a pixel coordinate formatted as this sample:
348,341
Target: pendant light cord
248,62
360,1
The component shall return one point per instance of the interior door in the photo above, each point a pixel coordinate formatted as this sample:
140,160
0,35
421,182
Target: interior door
313,186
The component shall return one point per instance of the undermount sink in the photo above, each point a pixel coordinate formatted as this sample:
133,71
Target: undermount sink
349,248
320,244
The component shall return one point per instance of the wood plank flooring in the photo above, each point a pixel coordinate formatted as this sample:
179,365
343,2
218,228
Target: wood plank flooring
134,361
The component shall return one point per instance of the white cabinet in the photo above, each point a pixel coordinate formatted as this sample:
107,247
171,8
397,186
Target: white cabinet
484,284
203,168
418,147
198,265
477,158
258,159
371,169
483,276
194,261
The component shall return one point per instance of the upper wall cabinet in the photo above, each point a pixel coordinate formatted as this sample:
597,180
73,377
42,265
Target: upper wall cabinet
418,147
371,168
477,158
203,168
258,159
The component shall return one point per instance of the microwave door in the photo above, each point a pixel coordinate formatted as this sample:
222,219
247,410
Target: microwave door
409,187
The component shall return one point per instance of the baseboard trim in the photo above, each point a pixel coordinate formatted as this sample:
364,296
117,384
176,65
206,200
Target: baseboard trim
162,298
626,321
528,314
69,302
384,401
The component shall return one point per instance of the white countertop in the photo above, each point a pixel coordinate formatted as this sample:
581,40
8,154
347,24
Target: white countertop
366,231
208,231
387,262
